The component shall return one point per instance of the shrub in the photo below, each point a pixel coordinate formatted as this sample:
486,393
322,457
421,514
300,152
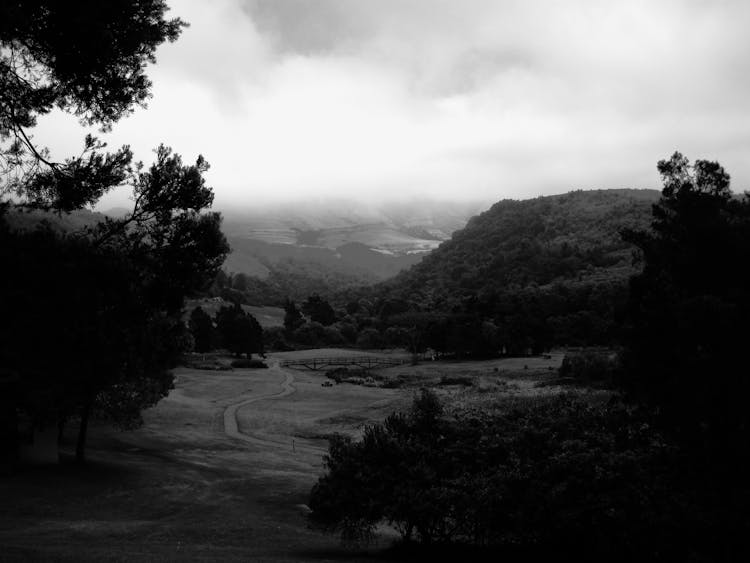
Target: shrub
332,337
369,339
347,375
274,338
244,363
464,380
590,365
199,362
311,333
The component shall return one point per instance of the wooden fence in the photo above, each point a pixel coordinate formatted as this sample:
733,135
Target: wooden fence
364,362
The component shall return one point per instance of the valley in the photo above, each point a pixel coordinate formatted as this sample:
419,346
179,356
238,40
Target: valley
361,241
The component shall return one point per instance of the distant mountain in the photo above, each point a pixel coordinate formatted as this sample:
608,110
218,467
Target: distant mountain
358,242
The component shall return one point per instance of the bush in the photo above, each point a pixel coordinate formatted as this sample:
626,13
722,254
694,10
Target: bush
311,334
590,365
553,473
347,375
333,337
369,339
464,380
274,338
244,363
204,363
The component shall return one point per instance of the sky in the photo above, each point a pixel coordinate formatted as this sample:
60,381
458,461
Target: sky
292,100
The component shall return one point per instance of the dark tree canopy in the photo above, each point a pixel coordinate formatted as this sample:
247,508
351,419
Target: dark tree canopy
319,310
102,338
203,331
293,318
240,332
87,58
556,477
688,310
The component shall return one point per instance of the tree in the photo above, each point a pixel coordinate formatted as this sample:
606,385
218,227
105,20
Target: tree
687,310
293,318
319,310
369,338
311,334
88,59
203,331
120,283
240,332
556,476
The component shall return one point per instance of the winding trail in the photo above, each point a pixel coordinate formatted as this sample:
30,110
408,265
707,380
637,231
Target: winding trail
232,430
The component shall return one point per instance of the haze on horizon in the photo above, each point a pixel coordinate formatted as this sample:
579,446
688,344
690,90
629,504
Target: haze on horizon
295,100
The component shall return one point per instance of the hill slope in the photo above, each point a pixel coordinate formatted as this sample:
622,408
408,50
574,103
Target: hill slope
522,276
517,244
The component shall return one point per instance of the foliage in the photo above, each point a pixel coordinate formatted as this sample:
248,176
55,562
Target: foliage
347,375
239,331
274,339
203,331
119,283
369,339
293,318
86,59
591,365
107,348
688,309
546,271
319,310
556,474
518,279
246,363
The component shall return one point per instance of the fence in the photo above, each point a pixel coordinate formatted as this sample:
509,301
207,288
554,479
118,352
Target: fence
364,362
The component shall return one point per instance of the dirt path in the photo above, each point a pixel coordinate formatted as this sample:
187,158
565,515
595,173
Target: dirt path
232,430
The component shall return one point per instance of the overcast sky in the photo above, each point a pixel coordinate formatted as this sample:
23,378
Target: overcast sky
470,99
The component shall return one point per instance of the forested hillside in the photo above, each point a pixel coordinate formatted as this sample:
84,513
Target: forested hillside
550,270
517,244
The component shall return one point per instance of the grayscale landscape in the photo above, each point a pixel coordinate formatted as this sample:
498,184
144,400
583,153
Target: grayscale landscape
405,280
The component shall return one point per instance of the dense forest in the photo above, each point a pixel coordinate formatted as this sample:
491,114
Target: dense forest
536,242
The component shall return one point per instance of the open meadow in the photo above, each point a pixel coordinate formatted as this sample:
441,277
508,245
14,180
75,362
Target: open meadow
222,468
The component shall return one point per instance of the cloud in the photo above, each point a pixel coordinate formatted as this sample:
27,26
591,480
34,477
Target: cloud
291,99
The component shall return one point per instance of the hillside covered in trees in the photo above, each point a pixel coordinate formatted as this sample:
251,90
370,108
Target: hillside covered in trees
543,272
539,242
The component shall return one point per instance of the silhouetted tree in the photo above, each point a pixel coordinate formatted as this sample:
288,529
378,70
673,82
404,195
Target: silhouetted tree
319,310
203,331
88,59
688,310
311,334
293,318
370,338
240,332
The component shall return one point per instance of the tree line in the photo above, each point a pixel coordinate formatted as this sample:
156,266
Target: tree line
231,328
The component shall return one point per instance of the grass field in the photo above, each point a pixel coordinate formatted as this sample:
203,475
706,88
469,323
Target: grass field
180,488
